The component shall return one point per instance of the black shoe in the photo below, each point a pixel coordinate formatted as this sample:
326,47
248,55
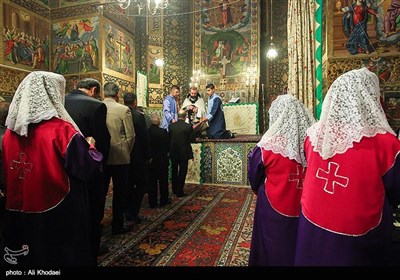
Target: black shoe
122,230
138,220
103,250
181,195
129,217
152,206
162,204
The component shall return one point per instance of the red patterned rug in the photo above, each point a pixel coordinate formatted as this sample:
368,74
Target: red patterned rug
211,226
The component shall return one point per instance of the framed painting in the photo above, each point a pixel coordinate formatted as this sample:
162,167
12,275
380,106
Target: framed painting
25,39
155,73
75,46
392,108
379,32
119,50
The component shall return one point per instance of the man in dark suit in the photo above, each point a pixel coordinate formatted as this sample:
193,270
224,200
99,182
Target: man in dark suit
140,158
159,166
90,116
180,135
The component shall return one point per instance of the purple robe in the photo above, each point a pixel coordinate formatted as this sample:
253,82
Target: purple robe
273,239
58,236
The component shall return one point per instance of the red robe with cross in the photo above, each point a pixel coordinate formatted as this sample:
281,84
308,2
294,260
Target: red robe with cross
47,206
347,201
277,181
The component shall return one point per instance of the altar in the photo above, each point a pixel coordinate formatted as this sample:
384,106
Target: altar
224,161
221,161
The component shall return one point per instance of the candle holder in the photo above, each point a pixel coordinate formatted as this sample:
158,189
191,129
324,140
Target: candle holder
195,79
251,83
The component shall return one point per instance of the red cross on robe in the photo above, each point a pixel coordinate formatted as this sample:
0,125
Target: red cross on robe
345,193
283,183
40,181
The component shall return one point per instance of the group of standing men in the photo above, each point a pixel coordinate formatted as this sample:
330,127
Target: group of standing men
118,132
49,226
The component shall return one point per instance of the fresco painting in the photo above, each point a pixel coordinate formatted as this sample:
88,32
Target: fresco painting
225,37
366,27
25,39
119,52
75,46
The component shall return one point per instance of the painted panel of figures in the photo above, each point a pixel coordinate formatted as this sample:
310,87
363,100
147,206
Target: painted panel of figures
75,46
384,68
25,39
225,37
392,108
155,72
366,26
119,51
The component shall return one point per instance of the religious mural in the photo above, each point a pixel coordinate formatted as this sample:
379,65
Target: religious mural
75,46
384,68
226,47
366,26
225,38
119,50
392,108
155,72
25,39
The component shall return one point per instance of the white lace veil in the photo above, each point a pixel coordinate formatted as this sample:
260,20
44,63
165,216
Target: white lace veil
351,110
289,120
40,96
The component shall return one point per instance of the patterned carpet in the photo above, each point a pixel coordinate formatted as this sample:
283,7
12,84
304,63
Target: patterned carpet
211,226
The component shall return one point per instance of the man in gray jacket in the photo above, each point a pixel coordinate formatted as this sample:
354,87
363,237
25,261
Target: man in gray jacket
120,126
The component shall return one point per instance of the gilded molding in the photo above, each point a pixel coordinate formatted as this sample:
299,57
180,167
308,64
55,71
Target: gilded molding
34,7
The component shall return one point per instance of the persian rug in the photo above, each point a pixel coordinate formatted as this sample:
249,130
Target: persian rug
210,226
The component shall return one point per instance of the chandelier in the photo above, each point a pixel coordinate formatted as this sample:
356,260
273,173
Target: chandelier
152,5
272,52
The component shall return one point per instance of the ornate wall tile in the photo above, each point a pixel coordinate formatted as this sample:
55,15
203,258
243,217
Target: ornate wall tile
10,79
229,163
207,162
249,148
124,85
33,7
74,10
194,168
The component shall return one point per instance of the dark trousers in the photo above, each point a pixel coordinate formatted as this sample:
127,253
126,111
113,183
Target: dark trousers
227,135
97,201
158,180
120,177
138,180
179,170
